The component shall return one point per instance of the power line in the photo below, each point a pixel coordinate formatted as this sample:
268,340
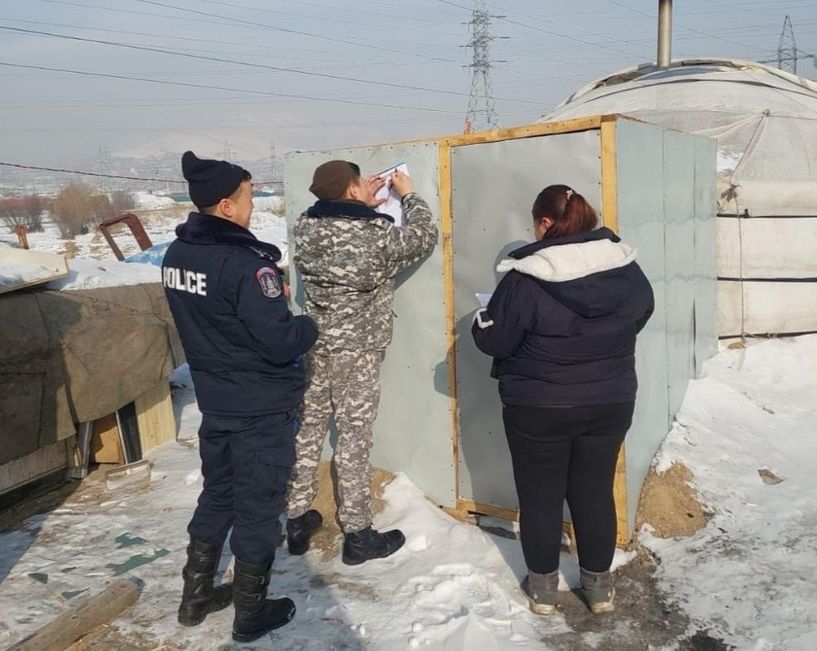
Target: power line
80,172
344,11
265,48
165,82
689,29
249,64
245,23
286,30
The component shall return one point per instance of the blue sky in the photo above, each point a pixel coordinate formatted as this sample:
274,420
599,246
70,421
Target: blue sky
553,48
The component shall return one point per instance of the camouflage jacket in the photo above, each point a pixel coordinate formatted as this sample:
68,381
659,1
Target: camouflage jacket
347,256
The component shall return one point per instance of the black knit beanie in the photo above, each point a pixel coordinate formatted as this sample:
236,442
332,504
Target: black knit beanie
210,181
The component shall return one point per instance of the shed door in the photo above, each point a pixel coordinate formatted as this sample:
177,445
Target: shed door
494,186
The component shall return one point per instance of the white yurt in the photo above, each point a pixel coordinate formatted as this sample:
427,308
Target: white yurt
765,122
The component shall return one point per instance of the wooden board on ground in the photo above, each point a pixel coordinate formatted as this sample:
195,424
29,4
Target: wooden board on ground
33,466
21,268
80,620
154,413
105,444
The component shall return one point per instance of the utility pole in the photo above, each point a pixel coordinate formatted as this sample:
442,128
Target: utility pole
787,48
276,174
228,154
787,52
105,166
481,114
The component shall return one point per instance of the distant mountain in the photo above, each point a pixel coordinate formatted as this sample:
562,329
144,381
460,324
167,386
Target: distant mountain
215,145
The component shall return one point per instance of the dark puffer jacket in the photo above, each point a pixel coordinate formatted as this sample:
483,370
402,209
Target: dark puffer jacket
562,323
242,342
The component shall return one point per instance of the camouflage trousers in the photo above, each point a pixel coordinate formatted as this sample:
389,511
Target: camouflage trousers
348,384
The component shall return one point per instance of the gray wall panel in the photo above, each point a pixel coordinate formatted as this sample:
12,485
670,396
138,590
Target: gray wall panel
412,432
494,186
640,158
679,251
706,254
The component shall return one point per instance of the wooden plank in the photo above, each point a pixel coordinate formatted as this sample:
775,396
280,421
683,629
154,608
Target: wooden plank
154,413
81,619
466,507
45,267
447,228
620,499
609,176
609,208
105,444
488,509
35,465
525,131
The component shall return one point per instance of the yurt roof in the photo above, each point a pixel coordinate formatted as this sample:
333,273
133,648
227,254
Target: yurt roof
765,121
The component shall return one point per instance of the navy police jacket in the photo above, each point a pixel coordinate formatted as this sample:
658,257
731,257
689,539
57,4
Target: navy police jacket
562,323
242,342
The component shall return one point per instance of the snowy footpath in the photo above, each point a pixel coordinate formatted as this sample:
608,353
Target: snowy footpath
745,578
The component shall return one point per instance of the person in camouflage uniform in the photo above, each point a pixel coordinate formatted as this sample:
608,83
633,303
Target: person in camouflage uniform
348,256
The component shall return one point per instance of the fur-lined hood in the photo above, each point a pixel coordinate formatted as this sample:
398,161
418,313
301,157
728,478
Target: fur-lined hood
588,272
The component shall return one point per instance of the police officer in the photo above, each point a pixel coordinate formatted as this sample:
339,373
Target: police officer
348,255
243,346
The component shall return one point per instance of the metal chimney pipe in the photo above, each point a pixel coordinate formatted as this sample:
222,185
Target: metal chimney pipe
664,33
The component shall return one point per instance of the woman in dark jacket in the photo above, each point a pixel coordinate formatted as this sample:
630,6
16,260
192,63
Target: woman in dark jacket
561,327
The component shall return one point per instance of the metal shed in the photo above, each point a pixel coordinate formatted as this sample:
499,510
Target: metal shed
439,419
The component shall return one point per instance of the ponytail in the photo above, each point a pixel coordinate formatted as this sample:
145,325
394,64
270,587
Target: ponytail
567,209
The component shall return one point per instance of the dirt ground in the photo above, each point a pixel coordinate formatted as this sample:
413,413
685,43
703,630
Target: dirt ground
644,618
670,504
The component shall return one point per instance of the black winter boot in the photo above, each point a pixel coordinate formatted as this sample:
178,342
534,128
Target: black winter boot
300,530
199,597
368,544
254,614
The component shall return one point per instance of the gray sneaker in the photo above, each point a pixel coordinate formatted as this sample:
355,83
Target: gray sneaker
598,590
541,591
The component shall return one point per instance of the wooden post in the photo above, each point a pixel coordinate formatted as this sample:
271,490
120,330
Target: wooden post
22,238
80,620
447,229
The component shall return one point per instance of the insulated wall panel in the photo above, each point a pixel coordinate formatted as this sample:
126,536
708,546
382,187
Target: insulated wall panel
767,307
775,247
679,257
640,162
706,253
412,432
494,186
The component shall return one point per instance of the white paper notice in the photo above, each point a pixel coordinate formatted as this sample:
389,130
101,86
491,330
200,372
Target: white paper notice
483,299
392,205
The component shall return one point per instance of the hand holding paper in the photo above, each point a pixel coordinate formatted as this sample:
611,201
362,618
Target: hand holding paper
396,178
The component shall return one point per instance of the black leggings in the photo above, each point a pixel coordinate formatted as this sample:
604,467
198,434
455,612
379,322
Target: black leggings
568,453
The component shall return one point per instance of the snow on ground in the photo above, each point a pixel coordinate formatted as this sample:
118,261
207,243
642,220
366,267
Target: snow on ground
748,431
746,578
453,586
149,201
160,225
92,274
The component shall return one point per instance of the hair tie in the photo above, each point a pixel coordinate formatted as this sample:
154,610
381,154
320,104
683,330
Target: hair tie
569,193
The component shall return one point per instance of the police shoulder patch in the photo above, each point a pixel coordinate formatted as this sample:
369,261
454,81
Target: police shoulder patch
269,281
